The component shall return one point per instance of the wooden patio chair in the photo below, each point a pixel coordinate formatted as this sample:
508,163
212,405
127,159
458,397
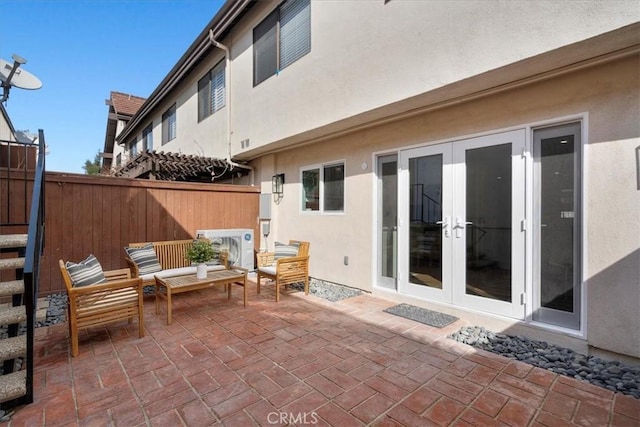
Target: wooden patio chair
120,298
285,270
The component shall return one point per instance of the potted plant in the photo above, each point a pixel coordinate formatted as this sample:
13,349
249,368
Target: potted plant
200,252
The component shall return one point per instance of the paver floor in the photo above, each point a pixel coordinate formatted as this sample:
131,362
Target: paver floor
302,361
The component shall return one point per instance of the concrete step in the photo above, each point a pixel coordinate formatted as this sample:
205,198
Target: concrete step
12,315
13,241
10,348
12,287
11,263
42,305
13,385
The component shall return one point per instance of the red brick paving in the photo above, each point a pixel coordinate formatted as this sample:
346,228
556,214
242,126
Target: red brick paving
302,361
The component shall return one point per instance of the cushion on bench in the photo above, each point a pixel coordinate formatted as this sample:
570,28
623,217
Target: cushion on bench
181,271
268,270
146,259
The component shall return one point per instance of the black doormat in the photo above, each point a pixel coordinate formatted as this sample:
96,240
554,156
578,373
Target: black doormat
422,315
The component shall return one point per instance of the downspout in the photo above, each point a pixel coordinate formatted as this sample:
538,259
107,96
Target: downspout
227,77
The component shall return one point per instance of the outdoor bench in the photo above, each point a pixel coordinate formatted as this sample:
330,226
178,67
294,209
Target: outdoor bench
170,255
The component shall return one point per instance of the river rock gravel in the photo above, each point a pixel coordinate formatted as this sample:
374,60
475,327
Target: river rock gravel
612,375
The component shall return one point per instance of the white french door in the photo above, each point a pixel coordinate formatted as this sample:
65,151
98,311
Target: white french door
461,234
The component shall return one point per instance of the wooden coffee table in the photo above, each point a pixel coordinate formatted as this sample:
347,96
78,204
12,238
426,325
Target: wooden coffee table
168,286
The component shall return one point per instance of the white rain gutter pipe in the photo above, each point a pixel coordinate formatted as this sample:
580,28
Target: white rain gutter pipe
227,78
174,79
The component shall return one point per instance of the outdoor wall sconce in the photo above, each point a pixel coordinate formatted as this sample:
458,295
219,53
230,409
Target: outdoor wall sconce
277,184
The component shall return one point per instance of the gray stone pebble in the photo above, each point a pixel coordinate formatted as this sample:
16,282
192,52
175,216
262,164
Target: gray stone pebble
611,375
327,290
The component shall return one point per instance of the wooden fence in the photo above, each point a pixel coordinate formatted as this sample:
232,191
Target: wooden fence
101,215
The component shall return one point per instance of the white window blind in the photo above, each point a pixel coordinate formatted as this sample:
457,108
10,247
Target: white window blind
281,38
265,49
218,88
212,91
295,31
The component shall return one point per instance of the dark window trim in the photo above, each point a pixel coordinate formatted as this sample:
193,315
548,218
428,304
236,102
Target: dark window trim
166,124
268,56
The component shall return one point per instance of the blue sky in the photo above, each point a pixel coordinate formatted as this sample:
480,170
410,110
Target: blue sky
81,50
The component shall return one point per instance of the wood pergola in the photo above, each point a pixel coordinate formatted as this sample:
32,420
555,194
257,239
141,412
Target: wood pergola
179,167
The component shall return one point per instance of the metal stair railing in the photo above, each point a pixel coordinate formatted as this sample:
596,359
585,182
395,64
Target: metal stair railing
16,166
34,246
424,208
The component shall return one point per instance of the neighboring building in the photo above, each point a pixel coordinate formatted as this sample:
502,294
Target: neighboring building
122,107
16,155
7,131
476,157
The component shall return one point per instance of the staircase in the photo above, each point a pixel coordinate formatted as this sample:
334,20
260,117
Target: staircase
22,178
13,345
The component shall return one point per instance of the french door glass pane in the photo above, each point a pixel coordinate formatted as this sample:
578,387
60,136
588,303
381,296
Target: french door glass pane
425,211
389,215
557,221
488,217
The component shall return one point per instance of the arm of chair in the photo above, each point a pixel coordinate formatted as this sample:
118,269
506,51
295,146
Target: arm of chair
122,273
265,259
293,266
223,257
114,285
133,267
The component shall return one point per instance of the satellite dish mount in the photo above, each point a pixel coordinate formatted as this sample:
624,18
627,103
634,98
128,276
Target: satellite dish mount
13,75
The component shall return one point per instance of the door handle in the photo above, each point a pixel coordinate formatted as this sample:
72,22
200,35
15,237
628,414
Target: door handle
460,225
445,225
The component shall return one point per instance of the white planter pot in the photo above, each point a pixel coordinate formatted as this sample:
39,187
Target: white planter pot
201,271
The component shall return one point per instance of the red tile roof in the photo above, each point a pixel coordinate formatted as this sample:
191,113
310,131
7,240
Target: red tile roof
124,103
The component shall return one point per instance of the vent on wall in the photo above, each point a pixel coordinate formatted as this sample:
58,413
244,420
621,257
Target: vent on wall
244,143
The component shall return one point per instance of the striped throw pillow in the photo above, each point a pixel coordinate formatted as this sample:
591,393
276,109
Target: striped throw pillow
145,258
285,251
85,273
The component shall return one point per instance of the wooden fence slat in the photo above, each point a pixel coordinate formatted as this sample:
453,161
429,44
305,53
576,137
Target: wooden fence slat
102,215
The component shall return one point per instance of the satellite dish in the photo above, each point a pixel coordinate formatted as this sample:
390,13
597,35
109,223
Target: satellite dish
21,78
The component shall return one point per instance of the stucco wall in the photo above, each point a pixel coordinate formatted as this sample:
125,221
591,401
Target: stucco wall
370,54
608,94
208,137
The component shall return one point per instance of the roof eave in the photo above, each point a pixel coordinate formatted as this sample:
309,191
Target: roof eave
219,25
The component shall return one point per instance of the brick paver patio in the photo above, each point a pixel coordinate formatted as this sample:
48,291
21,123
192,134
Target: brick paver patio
302,361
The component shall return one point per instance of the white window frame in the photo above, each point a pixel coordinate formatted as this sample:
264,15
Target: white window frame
321,188
212,91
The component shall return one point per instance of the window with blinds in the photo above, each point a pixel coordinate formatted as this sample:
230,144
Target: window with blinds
147,138
133,148
169,124
212,91
281,39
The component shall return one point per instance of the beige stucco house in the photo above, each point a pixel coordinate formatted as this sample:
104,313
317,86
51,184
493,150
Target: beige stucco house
476,157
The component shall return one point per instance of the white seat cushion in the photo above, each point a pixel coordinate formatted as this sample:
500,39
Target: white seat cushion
172,272
268,270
